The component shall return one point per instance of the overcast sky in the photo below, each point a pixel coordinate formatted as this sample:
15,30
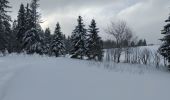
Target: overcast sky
145,17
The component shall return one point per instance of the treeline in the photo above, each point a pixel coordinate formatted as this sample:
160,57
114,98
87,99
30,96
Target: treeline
123,36
26,35
109,44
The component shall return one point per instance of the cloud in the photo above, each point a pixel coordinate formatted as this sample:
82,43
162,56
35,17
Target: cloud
146,17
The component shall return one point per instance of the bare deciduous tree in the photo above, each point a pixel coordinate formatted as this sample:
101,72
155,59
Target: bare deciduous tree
135,56
122,35
145,56
156,59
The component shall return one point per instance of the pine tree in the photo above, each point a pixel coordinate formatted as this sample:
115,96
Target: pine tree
4,21
3,12
144,42
94,43
47,40
78,40
164,50
132,44
28,19
21,27
33,39
140,42
33,42
35,14
14,40
9,36
68,45
57,47
2,37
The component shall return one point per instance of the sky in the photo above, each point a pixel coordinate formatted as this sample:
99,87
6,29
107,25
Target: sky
145,17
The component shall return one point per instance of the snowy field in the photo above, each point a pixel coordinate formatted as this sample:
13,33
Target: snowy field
42,78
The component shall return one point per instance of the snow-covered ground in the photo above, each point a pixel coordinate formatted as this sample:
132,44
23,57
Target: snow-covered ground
42,78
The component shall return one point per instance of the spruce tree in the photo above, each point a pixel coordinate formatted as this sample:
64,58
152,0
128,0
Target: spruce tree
68,45
35,14
14,40
144,42
32,42
4,25
94,43
140,42
57,47
164,49
47,40
3,41
28,19
78,40
21,27
33,39
3,10
9,36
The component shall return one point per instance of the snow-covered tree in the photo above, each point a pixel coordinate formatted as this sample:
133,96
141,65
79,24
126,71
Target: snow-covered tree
28,19
9,36
94,43
35,15
68,45
4,25
47,40
3,10
33,38
14,40
164,50
78,40
57,47
144,42
21,27
2,37
33,42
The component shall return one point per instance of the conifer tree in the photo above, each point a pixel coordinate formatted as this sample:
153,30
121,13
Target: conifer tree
9,36
47,35
33,38
57,46
3,10
68,45
144,42
94,43
4,27
28,19
140,42
2,37
35,14
32,42
21,27
14,40
164,50
47,40
78,40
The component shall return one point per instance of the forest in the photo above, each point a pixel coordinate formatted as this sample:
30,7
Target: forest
25,35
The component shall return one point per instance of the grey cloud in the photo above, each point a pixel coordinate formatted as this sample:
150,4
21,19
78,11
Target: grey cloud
146,17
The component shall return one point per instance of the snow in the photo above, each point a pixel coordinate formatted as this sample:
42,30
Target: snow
24,77
108,54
